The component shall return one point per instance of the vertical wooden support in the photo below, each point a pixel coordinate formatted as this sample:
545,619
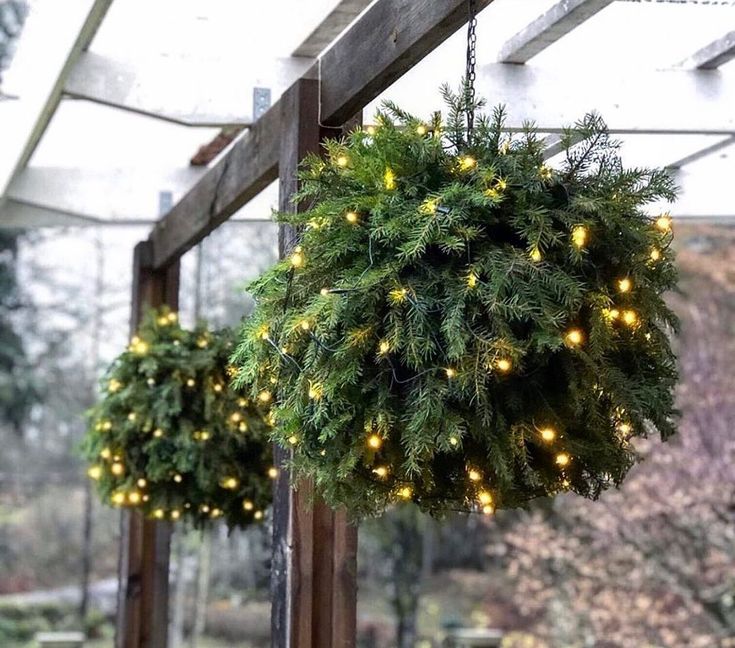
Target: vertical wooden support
314,569
142,614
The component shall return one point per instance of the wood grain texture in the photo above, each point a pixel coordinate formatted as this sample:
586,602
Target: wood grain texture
390,38
142,614
313,575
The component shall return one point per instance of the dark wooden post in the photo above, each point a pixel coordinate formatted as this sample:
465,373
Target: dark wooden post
314,569
142,614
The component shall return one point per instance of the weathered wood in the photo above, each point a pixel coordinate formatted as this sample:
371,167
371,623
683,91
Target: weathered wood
548,28
142,620
333,24
243,172
314,552
387,41
120,85
391,37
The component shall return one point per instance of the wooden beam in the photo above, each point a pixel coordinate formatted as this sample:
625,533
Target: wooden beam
391,37
205,102
314,565
142,616
244,171
85,30
101,194
331,27
548,28
631,101
713,55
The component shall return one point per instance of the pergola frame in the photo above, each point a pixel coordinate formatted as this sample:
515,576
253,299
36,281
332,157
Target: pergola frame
314,559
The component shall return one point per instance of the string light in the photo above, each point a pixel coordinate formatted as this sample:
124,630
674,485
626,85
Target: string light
236,417
429,206
562,459
504,365
535,255
243,427
204,508
384,347
451,373
105,453
624,428
574,337
488,509
190,382
389,178
342,161
216,512
381,471
114,385
474,475
501,185
545,172
162,321
151,382
218,388
258,515
484,498
398,295
421,130
630,317
248,505
132,416
159,514
405,492
158,433
230,483
352,217
304,325
453,440
175,514
94,472
655,254
374,441
117,469
293,439
625,285
548,434
315,391
324,292
118,498
178,478
611,314
202,343
663,223
172,317
467,162
142,483
579,236
471,279
265,396
297,259
134,497
272,472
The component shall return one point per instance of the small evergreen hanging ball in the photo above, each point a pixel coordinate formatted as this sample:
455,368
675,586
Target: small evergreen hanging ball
463,325
170,437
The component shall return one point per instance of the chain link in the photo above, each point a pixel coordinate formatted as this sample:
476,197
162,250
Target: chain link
470,71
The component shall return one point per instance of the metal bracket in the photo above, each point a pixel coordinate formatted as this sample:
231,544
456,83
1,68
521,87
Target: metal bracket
165,202
261,101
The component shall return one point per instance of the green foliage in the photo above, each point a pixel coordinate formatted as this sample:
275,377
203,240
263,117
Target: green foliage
419,334
18,391
168,417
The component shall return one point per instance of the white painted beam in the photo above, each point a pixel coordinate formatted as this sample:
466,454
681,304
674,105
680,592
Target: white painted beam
548,28
77,26
336,21
104,194
207,100
18,214
631,101
702,153
713,55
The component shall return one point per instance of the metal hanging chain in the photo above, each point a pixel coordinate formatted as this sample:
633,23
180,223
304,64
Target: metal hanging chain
470,71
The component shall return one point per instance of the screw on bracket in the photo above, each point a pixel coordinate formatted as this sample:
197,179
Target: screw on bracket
261,101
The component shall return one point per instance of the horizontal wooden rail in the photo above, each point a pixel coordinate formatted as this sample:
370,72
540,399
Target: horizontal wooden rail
389,39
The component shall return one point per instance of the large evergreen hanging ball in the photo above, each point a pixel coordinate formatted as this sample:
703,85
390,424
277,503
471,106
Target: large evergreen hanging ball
463,325
171,438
